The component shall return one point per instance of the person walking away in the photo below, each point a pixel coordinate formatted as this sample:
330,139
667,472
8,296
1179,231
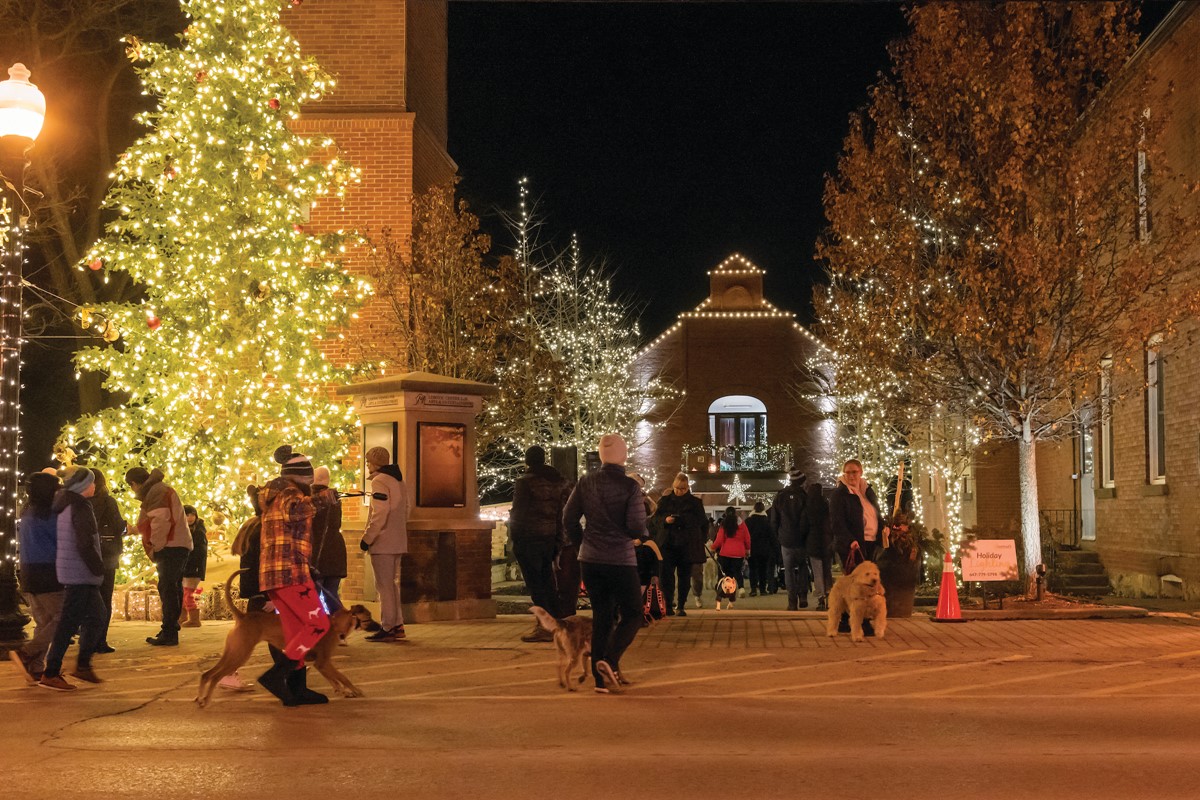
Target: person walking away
683,521
761,547
167,541
792,533
612,503
329,547
732,547
37,543
283,573
535,526
113,528
818,543
194,568
386,539
80,570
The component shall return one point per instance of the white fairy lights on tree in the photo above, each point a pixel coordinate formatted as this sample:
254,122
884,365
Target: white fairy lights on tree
223,359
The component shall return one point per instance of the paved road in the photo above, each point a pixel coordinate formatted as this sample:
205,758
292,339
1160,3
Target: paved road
739,705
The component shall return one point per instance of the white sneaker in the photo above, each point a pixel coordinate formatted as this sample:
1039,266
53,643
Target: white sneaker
233,683
698,603
742,592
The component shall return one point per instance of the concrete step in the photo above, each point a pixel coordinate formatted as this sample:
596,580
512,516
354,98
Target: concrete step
1082,568
1087,590
1078,557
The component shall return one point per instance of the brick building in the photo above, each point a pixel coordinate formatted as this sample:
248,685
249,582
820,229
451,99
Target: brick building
388,116
739,363
1128,486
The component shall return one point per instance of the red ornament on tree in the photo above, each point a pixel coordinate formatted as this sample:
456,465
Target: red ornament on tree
298,228
200,76
95,264
273,103
152,321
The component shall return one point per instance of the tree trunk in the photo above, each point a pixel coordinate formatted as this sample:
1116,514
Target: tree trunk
1031,534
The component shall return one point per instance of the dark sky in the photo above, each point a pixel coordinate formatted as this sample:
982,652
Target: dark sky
670,134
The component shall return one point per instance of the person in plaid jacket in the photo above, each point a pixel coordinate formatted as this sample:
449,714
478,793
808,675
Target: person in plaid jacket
283,574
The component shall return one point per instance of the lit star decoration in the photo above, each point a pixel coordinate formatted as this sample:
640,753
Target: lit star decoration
222,360
737,490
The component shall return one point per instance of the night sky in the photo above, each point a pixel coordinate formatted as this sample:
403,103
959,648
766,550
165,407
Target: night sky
667,135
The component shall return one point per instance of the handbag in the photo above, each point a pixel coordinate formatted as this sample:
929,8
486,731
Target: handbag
654,605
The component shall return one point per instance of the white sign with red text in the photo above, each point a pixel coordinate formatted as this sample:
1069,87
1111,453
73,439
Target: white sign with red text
990,560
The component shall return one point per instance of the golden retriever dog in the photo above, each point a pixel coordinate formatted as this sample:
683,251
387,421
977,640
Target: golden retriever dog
861,595
573,638
252,627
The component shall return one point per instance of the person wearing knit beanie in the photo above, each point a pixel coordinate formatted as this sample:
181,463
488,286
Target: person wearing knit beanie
613,449
294,465
385,540
378,457
78,479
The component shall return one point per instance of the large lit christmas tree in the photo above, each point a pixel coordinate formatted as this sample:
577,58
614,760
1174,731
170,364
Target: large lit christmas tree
223,359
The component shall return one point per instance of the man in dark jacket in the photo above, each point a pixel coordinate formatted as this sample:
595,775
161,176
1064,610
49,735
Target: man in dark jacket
792,532
762,548
535,525
685,527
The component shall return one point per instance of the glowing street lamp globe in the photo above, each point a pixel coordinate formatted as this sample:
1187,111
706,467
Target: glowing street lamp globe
22,105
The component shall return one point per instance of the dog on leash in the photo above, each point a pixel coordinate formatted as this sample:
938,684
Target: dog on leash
860,594
573,638
252,627
726,589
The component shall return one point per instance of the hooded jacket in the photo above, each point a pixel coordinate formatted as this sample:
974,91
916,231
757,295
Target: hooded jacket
762,542
387,522
286,534
38,541
77,561
788,514
161,520
538,499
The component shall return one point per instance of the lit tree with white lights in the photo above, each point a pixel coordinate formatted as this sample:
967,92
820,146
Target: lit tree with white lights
222,359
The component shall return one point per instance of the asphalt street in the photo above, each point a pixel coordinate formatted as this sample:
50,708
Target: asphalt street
743,705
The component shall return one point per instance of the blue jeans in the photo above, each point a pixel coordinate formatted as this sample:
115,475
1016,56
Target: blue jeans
82,612
795,575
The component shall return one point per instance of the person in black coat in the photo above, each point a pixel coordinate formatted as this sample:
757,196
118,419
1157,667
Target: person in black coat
854,514
684,525
535,526
762,548
194,568
112,527
818,543
791,531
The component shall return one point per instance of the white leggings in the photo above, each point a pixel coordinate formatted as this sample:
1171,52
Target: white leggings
387,582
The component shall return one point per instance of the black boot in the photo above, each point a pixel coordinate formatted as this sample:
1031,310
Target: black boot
297,684
822,603
844,623
274,680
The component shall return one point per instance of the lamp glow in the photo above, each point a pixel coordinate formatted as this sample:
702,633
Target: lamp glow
22,105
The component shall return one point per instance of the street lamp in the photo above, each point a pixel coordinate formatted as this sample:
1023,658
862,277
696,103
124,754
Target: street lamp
22,112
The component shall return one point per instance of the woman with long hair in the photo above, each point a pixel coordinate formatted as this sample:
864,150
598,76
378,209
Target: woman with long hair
732,545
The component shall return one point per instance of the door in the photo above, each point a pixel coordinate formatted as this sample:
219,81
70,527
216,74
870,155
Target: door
1087,481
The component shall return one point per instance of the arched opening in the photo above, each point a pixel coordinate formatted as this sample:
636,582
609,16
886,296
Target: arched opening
736,423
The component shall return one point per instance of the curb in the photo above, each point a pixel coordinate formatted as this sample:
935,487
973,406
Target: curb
1096,612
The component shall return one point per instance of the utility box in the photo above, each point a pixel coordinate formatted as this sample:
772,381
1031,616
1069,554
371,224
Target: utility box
427,423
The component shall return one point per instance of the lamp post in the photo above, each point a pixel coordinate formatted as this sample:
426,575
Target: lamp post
22,112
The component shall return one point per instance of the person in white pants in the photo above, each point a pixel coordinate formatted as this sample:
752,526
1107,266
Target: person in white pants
386,540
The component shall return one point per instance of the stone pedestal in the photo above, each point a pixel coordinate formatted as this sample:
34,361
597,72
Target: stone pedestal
427,423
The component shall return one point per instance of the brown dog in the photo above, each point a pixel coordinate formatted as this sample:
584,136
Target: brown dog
573,638
859,594
252,627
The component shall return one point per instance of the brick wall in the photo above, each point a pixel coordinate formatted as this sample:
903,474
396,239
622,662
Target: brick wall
1143,530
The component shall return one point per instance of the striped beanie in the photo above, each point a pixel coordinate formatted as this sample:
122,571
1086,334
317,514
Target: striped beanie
293,464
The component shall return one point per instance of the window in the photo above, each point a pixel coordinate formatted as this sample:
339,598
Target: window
736,423
1156,440
1107,462
968,482
1141,186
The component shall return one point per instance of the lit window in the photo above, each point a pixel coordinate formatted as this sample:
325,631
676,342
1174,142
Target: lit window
1156,439
736,423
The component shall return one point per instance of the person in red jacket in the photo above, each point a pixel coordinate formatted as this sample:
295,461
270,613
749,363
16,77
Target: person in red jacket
732,546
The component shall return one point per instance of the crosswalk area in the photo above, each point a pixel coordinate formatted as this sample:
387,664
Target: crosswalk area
749,659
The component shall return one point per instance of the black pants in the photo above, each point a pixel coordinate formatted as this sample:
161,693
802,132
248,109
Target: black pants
760,570
82,613
677,569
106,592
615,593
536,558
170,562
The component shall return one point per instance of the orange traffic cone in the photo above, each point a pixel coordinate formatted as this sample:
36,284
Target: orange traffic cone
948,610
